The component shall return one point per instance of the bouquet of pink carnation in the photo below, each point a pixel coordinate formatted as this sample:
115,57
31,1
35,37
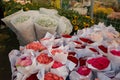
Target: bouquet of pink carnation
52,76
36,46
44,61
24,65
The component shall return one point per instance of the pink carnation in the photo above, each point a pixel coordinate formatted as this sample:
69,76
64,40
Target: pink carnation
115,52
83,70
44,58
57,64
36,46
51,76
99,63
25,61
54,51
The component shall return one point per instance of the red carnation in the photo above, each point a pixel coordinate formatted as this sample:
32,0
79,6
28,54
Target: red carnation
99,63
80,47
83,70
82,61
94,50
73,59
103,48
32,77
71,53
44,58
77,42
66,36
57,64
86,40
55,46
115,52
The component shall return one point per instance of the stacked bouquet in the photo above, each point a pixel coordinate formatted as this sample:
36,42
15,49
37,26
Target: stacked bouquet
63,57
33,24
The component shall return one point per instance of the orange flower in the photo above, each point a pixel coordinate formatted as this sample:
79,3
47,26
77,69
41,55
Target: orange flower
54,51
36,46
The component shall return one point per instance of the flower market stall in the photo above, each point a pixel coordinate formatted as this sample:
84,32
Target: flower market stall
65,57
63,40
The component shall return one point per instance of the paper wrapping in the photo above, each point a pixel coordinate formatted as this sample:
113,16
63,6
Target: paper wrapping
60,71
75,76
25,29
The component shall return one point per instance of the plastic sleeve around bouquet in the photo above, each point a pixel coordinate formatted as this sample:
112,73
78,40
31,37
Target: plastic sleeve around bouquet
25,67
84,52
7,20
103,49
108,75
32,13
65,27
96,36
43,24
114,56
59,69
13,55
59,55
25,28
76,76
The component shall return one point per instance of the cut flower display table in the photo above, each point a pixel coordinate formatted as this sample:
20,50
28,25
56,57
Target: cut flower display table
77,57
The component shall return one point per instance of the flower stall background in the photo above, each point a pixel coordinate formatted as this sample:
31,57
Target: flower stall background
103,12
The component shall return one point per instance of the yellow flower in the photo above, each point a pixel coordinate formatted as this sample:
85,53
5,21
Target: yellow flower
85,25
5,13
26,9
56,3
103,10
76,27
74,22
92,21
87,17
75,17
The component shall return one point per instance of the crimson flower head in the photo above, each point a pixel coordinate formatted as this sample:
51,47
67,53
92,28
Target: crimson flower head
83,70
100,62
